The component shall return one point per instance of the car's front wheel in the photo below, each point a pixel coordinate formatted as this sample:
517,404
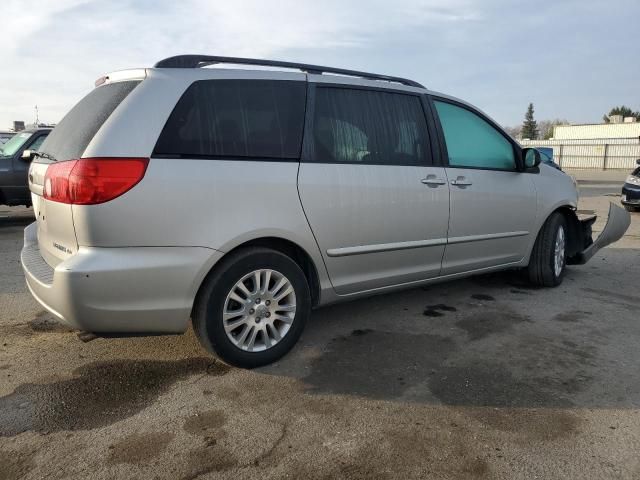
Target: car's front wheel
253,308
549,256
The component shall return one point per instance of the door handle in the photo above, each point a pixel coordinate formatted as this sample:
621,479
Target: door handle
461,182
433,181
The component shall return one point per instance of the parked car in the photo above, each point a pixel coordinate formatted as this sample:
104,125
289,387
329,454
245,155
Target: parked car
243,199
5,135
546,156
15,157
631,190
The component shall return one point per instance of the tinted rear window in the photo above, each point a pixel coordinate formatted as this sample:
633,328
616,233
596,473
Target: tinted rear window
236,119
74,132
369,127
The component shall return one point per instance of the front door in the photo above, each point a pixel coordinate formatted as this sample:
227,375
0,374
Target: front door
377,206
493,206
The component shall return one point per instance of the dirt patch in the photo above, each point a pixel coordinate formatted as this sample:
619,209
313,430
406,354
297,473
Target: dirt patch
207,424
209,459
476,467
46,323
530,424
419,448
377,365
99,394
481,325
15,464
573,316
139,447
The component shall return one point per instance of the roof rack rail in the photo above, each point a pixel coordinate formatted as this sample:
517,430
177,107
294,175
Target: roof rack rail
196,61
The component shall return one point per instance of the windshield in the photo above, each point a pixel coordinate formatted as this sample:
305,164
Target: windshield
14,144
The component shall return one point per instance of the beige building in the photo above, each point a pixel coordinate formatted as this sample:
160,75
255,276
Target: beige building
604,146
599,131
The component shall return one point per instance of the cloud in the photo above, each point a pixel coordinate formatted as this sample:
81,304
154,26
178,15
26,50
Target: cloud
57,49
499,54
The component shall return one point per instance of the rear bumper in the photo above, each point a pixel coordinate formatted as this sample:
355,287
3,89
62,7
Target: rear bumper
119,290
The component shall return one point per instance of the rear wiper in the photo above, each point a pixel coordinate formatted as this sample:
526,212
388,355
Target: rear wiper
45,155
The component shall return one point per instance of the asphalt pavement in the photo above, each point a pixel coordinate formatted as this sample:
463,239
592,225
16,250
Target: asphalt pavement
480,378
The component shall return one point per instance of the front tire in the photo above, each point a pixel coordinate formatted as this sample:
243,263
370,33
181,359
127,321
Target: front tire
549,256
253,308
631,208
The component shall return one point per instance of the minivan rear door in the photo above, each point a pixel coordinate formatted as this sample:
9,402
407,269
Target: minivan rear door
68,141
378,207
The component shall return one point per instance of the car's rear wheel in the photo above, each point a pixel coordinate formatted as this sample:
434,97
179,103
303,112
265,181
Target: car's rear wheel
631,208
253,308
549,256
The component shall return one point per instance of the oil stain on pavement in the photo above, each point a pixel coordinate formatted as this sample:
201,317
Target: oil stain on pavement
207,425
489,384
211,456
480,325
378,364
46,323
139,447
483,297
436,310
572,316
428,368
99,394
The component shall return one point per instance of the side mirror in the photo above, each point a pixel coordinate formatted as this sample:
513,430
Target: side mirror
27,155
531,158
638,161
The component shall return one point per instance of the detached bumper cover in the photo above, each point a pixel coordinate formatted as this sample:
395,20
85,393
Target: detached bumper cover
617,224
118,290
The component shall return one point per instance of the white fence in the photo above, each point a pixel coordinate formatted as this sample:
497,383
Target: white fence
602,154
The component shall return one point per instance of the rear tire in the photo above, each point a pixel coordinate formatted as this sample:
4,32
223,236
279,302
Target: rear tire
549,256
630,208
253,308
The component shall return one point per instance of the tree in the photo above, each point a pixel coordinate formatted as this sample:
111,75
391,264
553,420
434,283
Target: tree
545,127
513,131
621,110
530,126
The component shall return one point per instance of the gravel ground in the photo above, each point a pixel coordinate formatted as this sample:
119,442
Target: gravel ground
480,378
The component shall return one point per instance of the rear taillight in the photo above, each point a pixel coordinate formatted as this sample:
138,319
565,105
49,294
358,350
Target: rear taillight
92,180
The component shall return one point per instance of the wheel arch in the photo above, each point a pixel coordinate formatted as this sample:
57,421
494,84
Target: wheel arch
574,230
574,245
287,247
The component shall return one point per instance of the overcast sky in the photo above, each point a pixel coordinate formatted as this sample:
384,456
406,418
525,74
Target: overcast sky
573,59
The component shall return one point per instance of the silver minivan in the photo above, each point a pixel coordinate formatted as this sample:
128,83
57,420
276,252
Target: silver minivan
241,199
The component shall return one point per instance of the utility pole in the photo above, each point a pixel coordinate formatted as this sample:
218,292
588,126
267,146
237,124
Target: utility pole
37,119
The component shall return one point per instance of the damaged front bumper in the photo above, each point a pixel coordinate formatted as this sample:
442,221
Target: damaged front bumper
617,224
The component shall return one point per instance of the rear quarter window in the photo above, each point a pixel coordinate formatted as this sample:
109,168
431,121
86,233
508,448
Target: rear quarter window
74,132
236,119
